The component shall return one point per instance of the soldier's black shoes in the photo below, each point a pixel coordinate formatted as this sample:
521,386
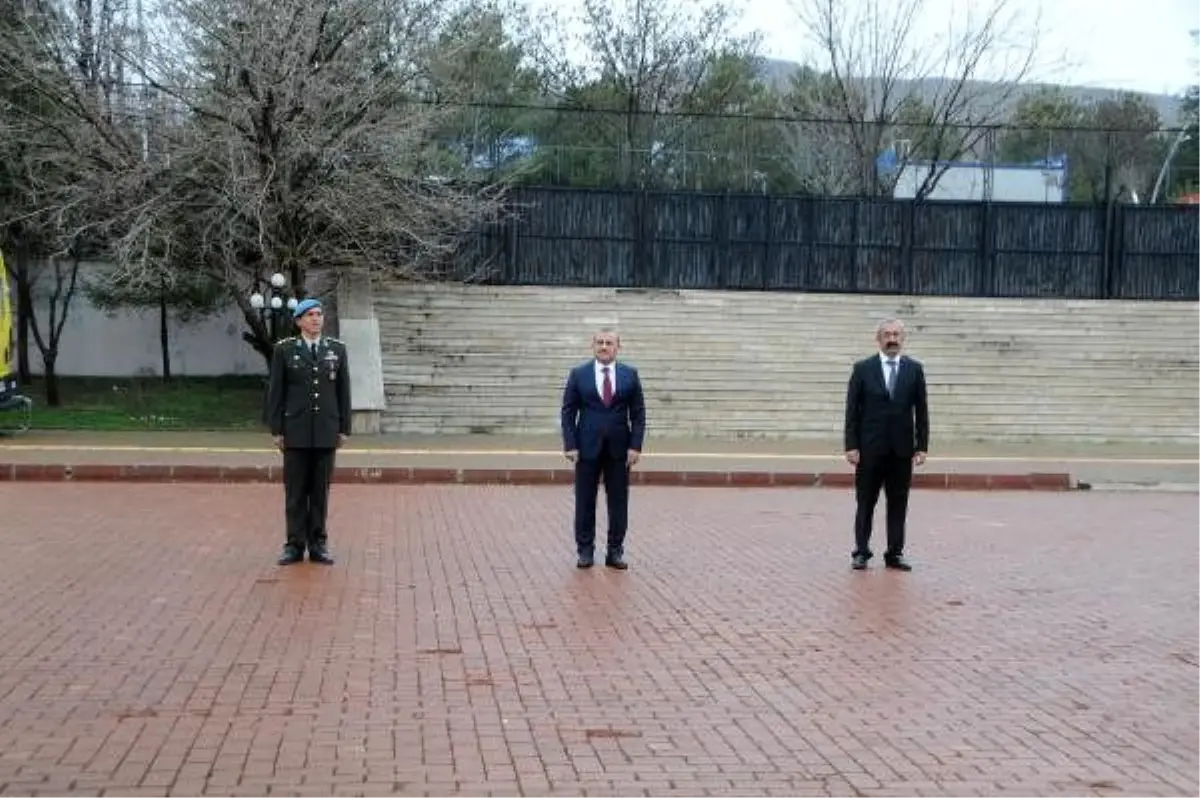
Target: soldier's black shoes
616,562
291,556
584,561
320,556
859,562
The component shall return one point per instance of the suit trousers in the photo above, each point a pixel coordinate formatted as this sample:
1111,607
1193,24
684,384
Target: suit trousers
306,477
615,472
892,473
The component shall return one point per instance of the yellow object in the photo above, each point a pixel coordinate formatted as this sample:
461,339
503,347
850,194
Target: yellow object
7,347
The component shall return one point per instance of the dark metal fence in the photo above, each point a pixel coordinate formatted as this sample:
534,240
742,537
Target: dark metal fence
646,239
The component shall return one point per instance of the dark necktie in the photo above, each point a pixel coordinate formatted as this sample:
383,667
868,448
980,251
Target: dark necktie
607,393
891,378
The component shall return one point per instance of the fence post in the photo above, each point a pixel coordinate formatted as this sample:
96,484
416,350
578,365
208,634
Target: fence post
855,242
1114,250
808,242
720,235
907,278
1118,270
768,226
641,205
986,273
512,269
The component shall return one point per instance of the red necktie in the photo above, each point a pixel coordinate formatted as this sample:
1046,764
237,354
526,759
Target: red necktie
606,394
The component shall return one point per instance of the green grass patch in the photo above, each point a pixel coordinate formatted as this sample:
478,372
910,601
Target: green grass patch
188,403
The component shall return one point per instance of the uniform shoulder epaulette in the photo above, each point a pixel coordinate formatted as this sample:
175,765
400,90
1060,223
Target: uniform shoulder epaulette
282,341
333,340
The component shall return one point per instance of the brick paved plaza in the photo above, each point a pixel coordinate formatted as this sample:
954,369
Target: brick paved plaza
1045,644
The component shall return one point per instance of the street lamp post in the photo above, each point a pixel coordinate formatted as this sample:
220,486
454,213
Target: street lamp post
272,302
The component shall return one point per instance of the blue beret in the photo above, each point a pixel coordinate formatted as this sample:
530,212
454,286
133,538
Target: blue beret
304,306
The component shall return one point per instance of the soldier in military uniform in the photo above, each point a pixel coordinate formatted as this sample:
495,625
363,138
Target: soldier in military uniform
308,411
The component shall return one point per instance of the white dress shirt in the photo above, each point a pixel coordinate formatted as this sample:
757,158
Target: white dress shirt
883,358
612,376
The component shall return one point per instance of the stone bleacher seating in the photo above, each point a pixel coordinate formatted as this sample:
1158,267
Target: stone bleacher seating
473,359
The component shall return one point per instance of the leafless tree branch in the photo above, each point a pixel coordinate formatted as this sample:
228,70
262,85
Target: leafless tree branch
887,80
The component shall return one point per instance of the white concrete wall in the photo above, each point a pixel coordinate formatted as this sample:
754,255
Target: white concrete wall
124,343
99,344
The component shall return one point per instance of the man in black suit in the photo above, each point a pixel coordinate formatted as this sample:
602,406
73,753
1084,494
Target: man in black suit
603,426
308,411
887,433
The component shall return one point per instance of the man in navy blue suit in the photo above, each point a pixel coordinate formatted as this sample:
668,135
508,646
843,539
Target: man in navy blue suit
603,426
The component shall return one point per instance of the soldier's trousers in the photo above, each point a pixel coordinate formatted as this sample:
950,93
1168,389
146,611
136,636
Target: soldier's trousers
306,477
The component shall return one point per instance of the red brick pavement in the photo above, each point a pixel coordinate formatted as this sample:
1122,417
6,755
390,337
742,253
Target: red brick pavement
1046,644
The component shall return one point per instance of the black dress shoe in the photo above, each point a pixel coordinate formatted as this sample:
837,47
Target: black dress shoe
320,556
584,561
859,562
616,563
291,556
897,564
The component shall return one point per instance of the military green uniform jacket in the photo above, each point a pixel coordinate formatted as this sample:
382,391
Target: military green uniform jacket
308,400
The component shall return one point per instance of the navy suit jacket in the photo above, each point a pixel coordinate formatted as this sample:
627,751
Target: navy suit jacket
589,427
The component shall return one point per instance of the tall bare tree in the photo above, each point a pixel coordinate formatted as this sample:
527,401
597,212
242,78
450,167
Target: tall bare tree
887,80
306,141
67,149
627,65
287,136
818,146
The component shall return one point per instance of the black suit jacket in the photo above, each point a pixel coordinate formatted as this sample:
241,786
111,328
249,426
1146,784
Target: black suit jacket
308,399
877,424
589,427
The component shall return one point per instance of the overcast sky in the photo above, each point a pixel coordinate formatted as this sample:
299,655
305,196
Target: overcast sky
1140,45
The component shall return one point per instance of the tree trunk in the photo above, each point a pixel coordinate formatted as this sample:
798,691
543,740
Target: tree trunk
53,398
24,314
259,334
24,371
164,334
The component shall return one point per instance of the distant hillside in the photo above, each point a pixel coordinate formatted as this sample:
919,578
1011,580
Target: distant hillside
778,73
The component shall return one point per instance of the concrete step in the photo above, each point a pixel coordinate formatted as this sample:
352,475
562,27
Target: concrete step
654,319
812,388
717,415
433,294
760,312
796,348
792,414
765,317
1093,344
714,366
998,435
